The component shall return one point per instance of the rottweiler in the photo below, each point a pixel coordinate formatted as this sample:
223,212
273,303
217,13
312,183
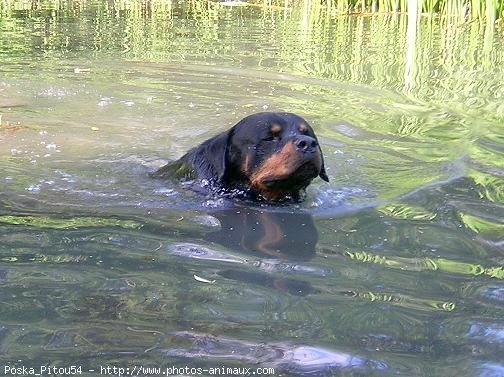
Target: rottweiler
273,156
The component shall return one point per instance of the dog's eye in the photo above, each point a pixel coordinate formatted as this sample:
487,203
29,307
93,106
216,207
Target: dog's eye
271,138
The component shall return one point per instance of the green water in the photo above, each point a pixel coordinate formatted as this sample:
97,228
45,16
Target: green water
396,267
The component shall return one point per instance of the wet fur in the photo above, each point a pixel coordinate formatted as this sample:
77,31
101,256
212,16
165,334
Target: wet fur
244,157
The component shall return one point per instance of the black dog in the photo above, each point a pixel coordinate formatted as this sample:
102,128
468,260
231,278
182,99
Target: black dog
271,155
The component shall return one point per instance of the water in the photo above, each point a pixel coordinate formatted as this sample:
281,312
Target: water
394,268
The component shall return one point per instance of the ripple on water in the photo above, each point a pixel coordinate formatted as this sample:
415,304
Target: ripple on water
269,266
490,370
54,92
494,293
290,358
487,333
196,251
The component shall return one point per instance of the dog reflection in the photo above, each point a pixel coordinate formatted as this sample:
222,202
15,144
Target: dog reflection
267,235
295,287
284,235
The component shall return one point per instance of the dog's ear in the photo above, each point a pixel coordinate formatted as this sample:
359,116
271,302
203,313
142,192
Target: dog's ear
216,155
323,173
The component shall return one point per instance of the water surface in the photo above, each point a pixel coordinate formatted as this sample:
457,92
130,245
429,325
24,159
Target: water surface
394,268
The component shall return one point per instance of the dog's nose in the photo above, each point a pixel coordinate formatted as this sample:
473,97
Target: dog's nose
305,143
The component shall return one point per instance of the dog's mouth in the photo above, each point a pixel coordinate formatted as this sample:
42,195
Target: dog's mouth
298,179
285,174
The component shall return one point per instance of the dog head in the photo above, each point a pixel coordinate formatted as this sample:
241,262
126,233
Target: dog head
275,154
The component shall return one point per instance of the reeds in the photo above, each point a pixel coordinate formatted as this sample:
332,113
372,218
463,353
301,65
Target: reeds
462,10
459,9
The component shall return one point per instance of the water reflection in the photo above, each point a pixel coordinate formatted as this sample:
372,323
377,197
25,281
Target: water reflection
251,237
292,286
287,358
491,370
398,259
264,233
490,333
494,293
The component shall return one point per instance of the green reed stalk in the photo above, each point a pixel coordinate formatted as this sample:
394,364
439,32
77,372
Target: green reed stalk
431,6
460,10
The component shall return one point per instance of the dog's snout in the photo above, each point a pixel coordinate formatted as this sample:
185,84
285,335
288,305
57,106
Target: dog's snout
305,143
